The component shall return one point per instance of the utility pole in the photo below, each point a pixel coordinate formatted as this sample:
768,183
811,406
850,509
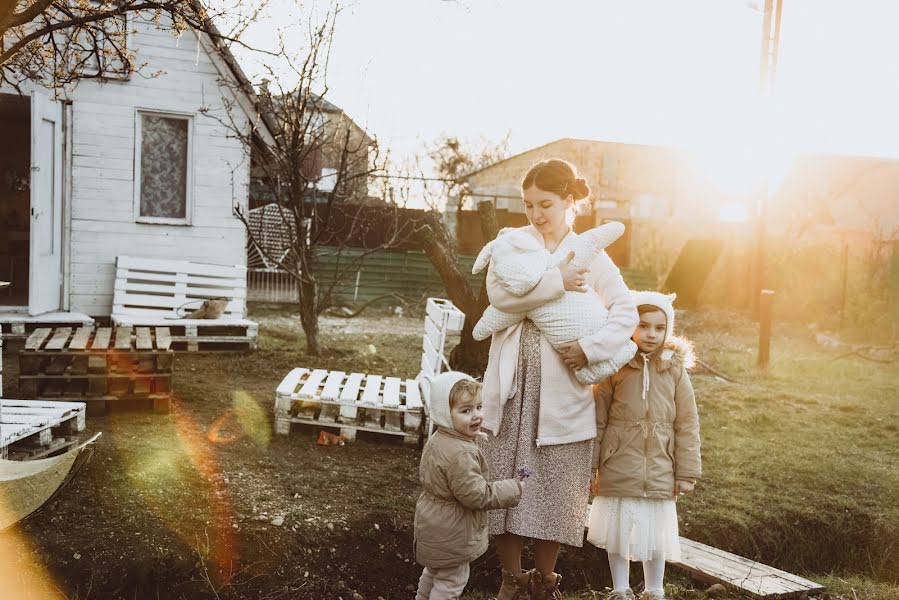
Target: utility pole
767,73
763,298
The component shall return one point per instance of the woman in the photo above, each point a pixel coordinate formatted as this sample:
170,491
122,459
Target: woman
540,416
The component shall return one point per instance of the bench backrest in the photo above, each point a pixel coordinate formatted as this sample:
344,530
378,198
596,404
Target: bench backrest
150,287
441,318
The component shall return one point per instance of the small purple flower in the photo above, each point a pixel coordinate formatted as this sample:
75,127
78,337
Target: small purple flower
524,472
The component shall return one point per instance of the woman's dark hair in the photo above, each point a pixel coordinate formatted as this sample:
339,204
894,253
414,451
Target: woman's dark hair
556,176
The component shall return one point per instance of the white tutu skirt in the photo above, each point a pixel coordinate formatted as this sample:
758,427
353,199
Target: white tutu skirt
636,528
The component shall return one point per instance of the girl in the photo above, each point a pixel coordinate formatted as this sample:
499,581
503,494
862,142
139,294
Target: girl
538,413
648,454
450,519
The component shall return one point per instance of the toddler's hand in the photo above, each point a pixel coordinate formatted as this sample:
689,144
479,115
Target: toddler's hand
594,483
683,487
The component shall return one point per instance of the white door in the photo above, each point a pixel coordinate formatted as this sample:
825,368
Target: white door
45,283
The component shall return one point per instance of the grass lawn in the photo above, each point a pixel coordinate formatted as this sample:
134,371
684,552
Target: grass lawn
800,473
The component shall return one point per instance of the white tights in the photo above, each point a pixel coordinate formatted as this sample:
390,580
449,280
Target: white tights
653,573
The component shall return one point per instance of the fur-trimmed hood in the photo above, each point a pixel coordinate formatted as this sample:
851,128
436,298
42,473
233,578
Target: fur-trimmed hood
677,351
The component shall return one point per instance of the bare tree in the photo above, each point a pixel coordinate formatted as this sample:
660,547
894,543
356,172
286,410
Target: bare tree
454,158
316,172
56,43
452,161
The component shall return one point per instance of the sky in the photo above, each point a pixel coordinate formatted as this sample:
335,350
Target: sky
668,72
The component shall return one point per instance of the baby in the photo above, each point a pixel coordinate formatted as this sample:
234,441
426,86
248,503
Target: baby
519,260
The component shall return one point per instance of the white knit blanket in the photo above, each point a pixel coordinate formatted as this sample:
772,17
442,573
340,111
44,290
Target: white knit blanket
519,261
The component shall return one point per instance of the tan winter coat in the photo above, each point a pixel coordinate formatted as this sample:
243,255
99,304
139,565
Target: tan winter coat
451,513
646,442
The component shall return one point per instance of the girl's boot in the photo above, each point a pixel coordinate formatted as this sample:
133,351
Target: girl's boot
545,587
514,587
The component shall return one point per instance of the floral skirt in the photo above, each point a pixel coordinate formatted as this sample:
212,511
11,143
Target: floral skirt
555,498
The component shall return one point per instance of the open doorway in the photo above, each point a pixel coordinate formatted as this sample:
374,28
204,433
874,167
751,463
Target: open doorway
15,198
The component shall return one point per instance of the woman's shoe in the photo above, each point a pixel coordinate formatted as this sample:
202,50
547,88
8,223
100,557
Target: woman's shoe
647,595
545,587
514,587
625,595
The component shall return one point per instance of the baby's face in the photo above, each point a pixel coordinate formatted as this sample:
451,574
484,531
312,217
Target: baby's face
467,414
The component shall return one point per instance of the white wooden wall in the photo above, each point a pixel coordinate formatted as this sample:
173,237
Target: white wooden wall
102,168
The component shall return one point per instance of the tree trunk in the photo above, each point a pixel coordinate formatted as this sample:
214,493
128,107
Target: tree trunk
441,251
469,356
309,310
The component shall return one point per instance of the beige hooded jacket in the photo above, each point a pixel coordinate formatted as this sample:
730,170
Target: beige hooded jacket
648,426
451,513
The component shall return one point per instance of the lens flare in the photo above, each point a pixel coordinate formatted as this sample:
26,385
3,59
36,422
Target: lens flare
180,460
247,417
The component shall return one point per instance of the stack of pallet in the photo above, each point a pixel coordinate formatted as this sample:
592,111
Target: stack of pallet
127,366
31,429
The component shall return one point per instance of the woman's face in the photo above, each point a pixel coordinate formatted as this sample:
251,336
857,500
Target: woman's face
546,210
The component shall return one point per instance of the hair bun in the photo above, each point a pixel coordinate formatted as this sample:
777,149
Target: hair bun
578,188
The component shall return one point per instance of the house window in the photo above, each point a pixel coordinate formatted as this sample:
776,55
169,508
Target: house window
163,177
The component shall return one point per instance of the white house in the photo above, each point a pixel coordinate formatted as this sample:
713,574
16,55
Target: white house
146,165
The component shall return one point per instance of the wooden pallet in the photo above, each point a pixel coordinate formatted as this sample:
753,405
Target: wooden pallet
31,429
211,336
351,402
758,580
16,326
99,365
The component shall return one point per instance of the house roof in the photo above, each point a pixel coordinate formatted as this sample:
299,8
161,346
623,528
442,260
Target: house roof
259,115
328,107
554,142
262,120
508,158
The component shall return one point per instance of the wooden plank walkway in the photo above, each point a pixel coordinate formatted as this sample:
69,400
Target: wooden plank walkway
758,580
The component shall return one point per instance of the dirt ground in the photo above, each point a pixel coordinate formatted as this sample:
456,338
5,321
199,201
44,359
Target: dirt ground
209,503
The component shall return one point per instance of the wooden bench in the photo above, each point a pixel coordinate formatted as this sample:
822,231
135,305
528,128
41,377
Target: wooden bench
150,292
358,402
125,365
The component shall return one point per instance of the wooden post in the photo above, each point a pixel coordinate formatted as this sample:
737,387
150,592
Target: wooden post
766,299
894,288
844,281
